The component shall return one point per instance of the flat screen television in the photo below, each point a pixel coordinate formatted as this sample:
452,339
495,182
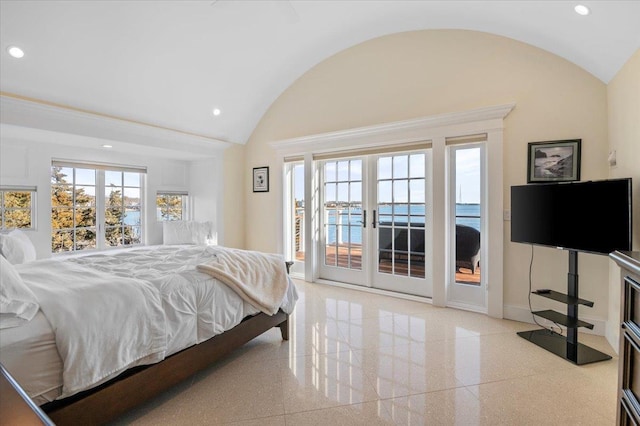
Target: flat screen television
593,216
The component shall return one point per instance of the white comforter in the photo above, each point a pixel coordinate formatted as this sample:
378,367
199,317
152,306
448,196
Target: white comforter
102,326
188,306
197,306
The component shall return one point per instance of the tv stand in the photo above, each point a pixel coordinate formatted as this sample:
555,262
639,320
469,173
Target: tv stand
566,347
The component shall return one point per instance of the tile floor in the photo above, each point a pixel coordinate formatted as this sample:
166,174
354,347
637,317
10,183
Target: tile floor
356,358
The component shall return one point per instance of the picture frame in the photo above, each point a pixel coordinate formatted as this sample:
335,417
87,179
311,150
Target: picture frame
554,161
261,179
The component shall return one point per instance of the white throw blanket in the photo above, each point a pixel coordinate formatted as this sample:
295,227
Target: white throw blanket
103,324
258,278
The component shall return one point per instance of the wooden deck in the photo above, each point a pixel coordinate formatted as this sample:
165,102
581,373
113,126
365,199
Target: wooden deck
402,267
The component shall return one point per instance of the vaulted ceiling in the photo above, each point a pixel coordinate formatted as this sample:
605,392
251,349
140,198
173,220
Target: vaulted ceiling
170,63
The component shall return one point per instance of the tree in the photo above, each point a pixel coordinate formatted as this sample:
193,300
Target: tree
116,233
170,206
17,209
65,215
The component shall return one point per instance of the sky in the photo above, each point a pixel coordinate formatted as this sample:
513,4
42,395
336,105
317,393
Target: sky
467,177
86,179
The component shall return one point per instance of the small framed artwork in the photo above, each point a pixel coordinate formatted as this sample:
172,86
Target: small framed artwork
554,161
261,179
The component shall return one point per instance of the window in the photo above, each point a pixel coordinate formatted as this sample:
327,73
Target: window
123,208
171,205
17,207
95,206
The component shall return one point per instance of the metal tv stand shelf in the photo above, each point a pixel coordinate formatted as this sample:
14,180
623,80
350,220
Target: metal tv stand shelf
566,347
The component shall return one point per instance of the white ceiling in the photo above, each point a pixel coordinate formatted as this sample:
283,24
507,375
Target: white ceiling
169,63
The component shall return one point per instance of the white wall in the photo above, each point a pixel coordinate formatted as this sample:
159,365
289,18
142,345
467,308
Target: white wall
27,162
236,176
206,181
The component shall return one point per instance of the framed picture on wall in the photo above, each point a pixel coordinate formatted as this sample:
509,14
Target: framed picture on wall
554,161
261,179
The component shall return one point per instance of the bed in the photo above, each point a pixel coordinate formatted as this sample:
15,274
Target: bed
142,319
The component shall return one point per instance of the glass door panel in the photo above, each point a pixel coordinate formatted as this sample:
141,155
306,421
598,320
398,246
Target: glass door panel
401,210
465,277
343,220
374,222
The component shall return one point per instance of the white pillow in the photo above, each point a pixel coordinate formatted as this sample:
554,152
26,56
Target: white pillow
186,232
201,232
18,304
16,247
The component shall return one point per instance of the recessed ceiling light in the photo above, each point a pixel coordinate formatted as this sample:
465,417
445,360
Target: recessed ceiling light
217,112
15,51
107,146
582,10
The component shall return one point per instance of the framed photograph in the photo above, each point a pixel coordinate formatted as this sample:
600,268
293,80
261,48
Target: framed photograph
554,161
261,179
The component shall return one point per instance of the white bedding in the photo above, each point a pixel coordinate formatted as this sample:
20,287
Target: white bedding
196,306
260,279
102,326
30,354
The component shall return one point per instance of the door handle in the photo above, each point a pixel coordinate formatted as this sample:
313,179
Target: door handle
364,219
374,220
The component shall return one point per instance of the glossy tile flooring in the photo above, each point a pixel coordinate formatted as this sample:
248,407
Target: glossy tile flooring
357,358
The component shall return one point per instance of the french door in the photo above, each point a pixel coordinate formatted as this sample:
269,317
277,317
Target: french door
376,222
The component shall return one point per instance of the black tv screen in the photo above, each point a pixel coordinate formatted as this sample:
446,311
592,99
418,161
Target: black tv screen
592,216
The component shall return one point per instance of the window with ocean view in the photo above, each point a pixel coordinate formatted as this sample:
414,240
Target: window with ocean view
94,207
122,208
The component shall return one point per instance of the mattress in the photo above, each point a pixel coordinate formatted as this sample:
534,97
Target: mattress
30,354
196,307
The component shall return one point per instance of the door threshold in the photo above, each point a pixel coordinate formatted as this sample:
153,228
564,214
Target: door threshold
467,307
365,289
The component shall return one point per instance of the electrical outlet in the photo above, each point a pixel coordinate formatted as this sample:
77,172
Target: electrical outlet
506,215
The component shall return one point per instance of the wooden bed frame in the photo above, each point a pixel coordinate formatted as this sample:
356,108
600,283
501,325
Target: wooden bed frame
140,384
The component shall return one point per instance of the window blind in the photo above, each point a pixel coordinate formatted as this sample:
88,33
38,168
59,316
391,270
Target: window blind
159,192
461,140
18,188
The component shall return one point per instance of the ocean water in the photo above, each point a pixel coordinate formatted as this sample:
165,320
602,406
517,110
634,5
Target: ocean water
401,214
468,210
132,218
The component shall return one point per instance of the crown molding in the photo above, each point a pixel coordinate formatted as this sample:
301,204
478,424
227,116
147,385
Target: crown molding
480,120
33,114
